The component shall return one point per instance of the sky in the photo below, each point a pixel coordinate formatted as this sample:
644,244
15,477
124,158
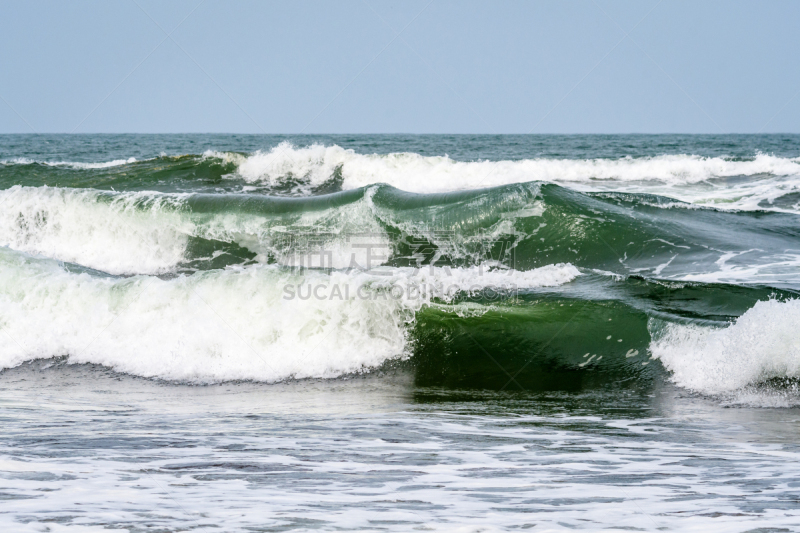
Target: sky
412,66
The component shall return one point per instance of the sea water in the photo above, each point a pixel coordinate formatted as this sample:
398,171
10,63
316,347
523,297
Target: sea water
388,332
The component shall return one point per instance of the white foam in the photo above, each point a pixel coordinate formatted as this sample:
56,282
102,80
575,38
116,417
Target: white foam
685,177
99,230
761,344
70,164
739,267
449,282
315,164
218,325
227,157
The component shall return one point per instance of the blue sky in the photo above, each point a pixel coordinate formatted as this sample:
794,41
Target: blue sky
370,66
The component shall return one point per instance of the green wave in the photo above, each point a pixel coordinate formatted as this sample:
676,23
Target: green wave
522,226
584,335
529,225
164,174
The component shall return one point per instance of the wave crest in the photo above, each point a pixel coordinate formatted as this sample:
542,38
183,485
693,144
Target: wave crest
412,172
760,345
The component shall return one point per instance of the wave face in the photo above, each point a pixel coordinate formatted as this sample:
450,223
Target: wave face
509,263
519,226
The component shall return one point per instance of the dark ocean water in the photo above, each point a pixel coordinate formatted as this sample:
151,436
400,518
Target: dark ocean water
477,333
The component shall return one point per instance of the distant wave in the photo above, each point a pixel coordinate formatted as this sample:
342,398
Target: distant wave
314,165
70,164
763,182
413,172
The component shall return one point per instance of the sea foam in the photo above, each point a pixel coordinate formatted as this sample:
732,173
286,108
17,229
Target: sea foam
231,324
760,345
123,233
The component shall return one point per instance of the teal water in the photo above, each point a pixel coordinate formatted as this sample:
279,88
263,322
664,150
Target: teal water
386,332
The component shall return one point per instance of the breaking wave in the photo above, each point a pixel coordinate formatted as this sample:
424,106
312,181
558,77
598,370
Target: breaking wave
416,173
318,262
261,323
759,346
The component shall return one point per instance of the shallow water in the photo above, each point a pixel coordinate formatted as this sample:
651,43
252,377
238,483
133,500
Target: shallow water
83,447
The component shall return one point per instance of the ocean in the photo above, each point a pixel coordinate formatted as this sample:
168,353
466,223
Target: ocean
399,332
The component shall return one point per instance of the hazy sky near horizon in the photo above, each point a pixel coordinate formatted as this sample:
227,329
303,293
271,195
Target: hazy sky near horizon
417,66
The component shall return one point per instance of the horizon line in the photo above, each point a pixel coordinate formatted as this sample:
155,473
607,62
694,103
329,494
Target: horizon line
306,134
